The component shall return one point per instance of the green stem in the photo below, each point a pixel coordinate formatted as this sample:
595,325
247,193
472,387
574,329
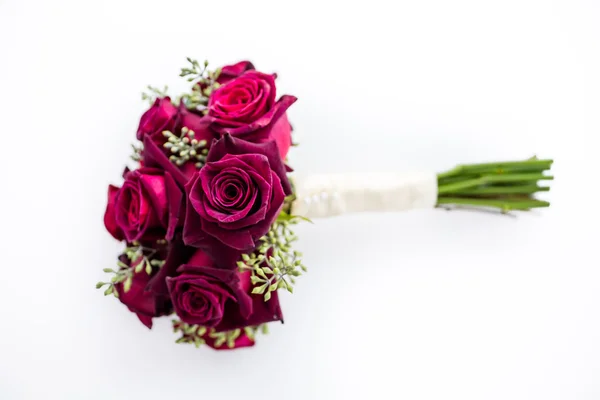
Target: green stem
504,185
517,189
504,205
454,187
498,167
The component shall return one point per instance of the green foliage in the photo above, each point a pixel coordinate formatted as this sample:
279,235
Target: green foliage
140,259
137,152
152,93
275,265
185,147
196,335
204,83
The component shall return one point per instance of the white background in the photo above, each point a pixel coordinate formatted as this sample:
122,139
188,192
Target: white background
427,304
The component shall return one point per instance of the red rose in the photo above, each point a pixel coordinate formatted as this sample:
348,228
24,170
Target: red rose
245,107
146,207
219,298
233,200
164,116
207,296
160,116
143,303
110,221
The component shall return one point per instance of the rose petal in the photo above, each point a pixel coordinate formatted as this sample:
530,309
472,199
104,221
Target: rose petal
230,145
109,216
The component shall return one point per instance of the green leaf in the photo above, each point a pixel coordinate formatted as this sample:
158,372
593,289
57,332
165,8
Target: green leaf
108,291
260,289
148,268
260,272
267,270
100,284
273,287
219,342
267,296
264,329
302,218
127,284
189,329
139,267
255,279
108,270
290,289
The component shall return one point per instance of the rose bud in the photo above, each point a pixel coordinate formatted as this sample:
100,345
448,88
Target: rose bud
233,200
147,206
245,107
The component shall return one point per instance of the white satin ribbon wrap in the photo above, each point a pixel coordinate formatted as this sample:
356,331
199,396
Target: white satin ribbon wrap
327,195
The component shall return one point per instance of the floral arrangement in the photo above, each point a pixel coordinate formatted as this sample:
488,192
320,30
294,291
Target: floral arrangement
207,215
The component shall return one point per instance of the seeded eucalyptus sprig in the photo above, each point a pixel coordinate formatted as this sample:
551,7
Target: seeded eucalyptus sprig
140,259
275,265
205,82
196,335
152,93
185,147
137,151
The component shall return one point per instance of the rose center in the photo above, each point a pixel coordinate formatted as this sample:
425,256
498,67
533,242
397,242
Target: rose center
231,191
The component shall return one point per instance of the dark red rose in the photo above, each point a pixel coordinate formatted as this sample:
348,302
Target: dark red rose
164,116
148,206
207,296
109,216
159,117
262,311
220,298
143,303
245,107
235,197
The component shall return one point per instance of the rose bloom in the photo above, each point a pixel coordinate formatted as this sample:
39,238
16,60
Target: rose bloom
245,107
146,207
164,116
161,116
142,302
233,200
219,298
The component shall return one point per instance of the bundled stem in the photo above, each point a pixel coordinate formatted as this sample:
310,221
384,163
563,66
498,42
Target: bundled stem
504,185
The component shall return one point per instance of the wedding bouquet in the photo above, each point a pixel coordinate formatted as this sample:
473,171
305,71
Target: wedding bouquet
207,215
